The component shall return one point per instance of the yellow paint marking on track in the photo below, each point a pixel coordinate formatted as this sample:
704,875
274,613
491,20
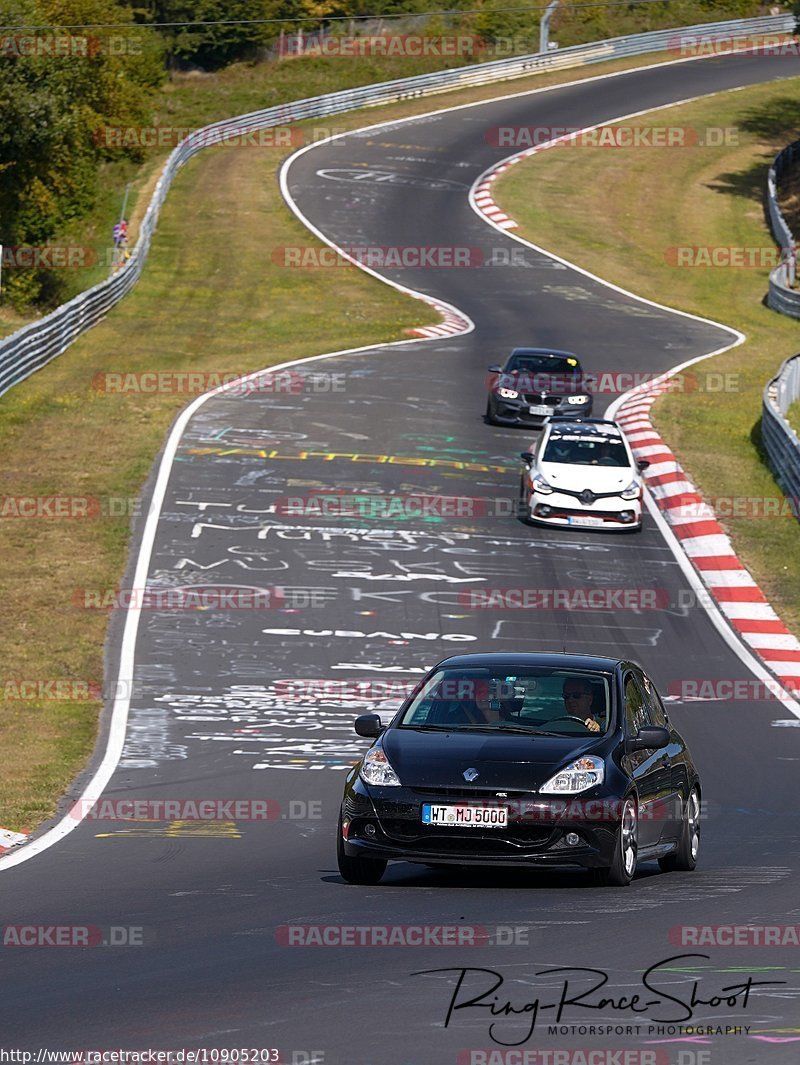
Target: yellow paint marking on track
177,829
330,456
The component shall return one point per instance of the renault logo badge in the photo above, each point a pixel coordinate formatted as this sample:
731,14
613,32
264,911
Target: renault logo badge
471,774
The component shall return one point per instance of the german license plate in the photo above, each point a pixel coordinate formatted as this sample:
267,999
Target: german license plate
541,409
464,816
580,520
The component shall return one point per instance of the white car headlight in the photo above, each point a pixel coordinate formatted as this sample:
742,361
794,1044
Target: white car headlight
580,775
632,491
541,486
577,401
376,769
508,393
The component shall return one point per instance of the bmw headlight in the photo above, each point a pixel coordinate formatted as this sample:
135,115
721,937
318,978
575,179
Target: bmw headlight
376,769
508,393
577,401
541,486
632,491
580,775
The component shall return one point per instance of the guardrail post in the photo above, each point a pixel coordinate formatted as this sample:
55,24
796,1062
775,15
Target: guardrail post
544,25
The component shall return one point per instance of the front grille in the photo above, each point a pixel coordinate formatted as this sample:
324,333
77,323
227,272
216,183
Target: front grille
535,399
463,794
596,495
565,512
458,840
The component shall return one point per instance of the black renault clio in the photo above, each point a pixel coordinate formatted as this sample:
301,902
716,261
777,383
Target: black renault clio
539,760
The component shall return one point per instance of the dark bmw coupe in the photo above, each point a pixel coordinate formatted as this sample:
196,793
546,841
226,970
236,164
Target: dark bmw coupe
538,760
534,384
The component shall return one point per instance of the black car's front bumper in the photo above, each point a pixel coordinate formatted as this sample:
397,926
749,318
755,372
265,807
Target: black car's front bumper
517,411
387,823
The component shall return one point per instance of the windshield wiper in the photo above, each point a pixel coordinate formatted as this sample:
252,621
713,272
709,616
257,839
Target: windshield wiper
430,728
503,727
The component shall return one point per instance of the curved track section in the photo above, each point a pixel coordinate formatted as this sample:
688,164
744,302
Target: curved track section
256,705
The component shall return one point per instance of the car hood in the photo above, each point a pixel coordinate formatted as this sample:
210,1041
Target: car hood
597,478
509,761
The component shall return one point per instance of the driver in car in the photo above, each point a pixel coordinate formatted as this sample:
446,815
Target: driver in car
578,697
604,455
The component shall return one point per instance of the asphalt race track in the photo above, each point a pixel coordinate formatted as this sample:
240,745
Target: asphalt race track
218,710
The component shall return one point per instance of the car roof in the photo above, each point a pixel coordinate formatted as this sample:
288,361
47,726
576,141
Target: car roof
553,352
598,427
546,659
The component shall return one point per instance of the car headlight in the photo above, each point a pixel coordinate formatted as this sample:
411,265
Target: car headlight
508,393
541,486
632,491
580,775
577,401
376,769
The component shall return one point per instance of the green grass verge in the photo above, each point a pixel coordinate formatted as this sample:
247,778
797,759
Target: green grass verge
210,299
689,196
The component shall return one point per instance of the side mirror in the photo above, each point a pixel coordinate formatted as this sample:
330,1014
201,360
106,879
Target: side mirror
642,465
527,457
651,738
494,368
369,726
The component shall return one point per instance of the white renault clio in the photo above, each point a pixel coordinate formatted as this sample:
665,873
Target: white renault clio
582,473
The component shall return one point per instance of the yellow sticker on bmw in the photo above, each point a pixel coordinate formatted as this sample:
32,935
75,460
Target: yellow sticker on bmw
465,816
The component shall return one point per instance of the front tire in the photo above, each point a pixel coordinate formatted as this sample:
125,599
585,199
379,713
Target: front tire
620,872
488,416
357,870
684,858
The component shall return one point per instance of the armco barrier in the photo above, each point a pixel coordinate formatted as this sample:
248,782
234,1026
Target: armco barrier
31,347
780,440
781,296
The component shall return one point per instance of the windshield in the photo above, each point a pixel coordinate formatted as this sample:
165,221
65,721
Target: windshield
586,451
544,364
560,701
